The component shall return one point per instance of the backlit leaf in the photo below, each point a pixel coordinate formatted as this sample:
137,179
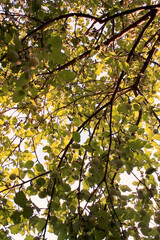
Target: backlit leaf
20,199
125,188
76,137
27,212
39,167
150,170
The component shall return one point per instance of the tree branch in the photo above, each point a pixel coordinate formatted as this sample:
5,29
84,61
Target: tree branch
105,43
21,184
99,20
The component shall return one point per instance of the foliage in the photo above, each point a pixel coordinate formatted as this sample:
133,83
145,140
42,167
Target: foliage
79,97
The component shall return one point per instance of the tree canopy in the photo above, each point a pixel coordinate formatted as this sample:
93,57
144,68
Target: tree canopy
79,98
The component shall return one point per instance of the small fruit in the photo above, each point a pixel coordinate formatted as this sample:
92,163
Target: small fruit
12,176
95,161
32,107
123,202
143,212
55,174
155,131
140,193
36,238
112,191
42,194
128,106
12,56
21,92
33,63
119,163
92,170
25,86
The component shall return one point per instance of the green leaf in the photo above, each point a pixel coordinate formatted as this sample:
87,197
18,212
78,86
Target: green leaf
99,234
3,235
62,235
76,137
24,78
40,225
27,212
20,199
15,228
40,181
42,194
30,173
56,42
76,145
29,237
47,149
65,187
136,107
19,94
16,217
125,188
35,6
148,145
125,66
29,164
119,211
34,91
150,170
129,213
123,107
66,76
88,148
33,220
58,57
135,144
134,128
139,99
39,167
75,41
